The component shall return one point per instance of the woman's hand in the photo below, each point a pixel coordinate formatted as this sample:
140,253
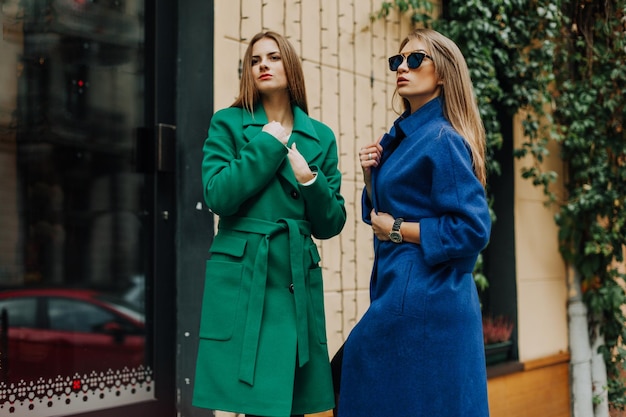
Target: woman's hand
381,224
299,165
369,156
278,131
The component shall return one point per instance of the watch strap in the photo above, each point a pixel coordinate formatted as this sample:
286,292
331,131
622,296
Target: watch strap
396,224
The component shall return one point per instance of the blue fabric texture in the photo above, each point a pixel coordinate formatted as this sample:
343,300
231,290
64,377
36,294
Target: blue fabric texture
418,350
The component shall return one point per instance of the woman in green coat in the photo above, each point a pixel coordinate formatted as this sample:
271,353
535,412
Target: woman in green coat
270,172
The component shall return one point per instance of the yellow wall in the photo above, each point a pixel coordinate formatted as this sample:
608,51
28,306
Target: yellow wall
350,89
541,272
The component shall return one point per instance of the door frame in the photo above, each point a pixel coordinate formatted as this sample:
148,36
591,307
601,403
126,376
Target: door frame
195,223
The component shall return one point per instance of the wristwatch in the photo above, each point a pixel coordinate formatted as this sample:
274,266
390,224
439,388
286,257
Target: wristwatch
395,236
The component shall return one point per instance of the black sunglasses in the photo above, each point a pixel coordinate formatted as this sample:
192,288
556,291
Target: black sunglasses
413,60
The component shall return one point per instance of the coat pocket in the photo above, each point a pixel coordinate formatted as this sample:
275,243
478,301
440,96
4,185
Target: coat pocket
228,245
222,288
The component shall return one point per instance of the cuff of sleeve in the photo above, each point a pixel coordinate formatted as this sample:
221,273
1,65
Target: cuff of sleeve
434,251
366,207
311,181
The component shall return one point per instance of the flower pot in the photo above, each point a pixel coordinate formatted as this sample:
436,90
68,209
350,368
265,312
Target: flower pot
497,352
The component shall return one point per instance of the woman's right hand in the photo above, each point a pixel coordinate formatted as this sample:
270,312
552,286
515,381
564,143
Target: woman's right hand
278,131
369,156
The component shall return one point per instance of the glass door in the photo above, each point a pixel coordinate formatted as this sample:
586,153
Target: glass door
79,194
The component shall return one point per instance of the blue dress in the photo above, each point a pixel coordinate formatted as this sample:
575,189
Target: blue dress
418,350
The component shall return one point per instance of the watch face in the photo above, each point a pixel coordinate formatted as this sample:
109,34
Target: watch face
395,237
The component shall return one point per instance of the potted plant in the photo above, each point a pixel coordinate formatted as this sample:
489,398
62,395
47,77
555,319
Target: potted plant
497,337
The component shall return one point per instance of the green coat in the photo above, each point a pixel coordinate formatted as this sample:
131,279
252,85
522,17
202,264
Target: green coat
262,346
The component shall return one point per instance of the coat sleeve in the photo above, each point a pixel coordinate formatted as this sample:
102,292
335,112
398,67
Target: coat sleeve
230,176
324,203
366,207
462,229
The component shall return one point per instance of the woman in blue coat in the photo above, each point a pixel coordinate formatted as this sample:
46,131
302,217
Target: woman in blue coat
418,350
270,172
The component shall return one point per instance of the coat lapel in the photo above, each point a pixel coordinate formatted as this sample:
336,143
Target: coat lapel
253,123
303,135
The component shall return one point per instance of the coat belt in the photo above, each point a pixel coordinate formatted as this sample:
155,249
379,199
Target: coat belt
297,230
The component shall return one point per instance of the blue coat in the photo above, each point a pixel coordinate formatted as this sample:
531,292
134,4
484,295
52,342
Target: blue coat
418,350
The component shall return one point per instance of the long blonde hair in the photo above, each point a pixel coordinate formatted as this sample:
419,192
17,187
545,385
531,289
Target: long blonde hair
459,101
249,95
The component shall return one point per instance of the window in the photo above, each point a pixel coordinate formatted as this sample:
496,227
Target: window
77,316
21,312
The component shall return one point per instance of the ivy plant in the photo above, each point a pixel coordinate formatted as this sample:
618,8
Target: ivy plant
590,105
562,64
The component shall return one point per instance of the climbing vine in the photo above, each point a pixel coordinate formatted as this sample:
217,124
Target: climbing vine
562,64
590,105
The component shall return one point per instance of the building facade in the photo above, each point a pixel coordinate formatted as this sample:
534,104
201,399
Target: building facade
104,107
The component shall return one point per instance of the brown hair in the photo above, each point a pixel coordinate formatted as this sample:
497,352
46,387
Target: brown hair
249,95
459,101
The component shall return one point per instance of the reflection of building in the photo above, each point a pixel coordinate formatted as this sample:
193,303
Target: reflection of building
79,101
10,260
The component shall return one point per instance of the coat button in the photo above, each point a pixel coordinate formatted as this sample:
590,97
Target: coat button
291,288
294,194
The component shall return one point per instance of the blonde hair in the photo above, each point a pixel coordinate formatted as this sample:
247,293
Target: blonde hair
249,95
459,101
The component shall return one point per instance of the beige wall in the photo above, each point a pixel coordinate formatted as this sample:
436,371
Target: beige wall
349,88
541,272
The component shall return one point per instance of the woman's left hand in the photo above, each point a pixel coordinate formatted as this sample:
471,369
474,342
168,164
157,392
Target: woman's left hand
299,165
381,224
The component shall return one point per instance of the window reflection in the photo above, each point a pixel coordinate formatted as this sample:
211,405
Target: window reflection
23,311
73,230
53,331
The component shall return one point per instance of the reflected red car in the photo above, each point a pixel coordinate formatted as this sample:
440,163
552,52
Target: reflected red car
45,333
